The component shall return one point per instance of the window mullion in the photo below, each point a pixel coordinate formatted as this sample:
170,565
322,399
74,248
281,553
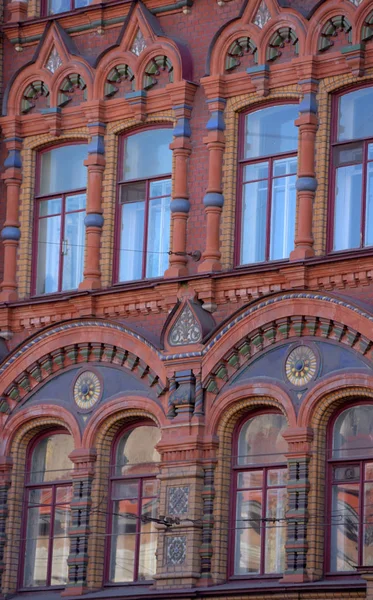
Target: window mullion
62,237
269,210
146,220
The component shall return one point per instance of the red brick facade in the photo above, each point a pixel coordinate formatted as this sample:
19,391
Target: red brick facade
207,344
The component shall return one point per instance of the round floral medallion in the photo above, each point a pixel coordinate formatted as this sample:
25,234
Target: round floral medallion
301,365
87,390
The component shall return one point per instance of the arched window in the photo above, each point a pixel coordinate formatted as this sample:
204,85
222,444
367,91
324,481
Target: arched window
351,492
351,209
134,497
59,214
267,195
143,236
259,479
46,545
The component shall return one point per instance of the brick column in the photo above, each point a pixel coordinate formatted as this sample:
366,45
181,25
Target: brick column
82,475
10,233
94,219
5,472
299,454
17,11
214,200
182,97
306,182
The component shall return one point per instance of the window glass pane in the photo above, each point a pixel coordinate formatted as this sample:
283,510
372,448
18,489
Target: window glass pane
62,169
253,222
369,207
260,440
370,151
160,187
248,532
369,471
270,131
58,6
344,155
346,473
285,166
131,240
276,531
250,479
150,487
347,209
126,489
37,545
277,477
256,171
368,525
123,541
148,541
355,115
50,207
63,494
76,202
48,255
73,250
136,447
147,154
344,527
283,210
158,237
353,432
50,459
61,545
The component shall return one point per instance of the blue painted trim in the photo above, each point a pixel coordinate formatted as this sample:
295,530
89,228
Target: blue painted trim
94,220
308,104
184,106
98,124
182,128
11,233
138,94
222,100
258,69
51,111
13,160
97,145
213,199
216,121
180,205
306,184
13,139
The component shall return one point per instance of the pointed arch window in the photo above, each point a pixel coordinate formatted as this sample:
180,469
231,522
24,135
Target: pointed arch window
59,219
350,506
48,491
132,539
259,479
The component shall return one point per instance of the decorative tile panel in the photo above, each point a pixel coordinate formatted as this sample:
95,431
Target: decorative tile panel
356,2
262,16
186,329
139,43
175,550
178,500
54,61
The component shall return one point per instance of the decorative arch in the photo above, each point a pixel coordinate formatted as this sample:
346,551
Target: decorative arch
35,96
279,318
120,79
328,19
55,348
338,26
280,44
72,89
158,71
240,48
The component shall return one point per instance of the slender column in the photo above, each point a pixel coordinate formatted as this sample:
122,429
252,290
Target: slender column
296,546
11,234
182,96
83,459
214,200
306,183
94,219
5,472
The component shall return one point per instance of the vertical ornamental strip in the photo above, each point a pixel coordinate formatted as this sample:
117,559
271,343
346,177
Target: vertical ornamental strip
298,455
182,97
214,200
94,219
306,183
5,472
82,475
10,233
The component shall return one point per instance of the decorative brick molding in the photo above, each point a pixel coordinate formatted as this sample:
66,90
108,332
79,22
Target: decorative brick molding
6,464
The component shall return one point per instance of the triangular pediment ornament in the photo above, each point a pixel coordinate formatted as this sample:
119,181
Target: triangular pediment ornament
139,43
186,329
139,30
262,15
188,323
54,61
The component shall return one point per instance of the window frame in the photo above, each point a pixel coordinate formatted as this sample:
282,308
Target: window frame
118,208
329,484
332,171
242,162
110,514
37,199
27,486
44,9
235,470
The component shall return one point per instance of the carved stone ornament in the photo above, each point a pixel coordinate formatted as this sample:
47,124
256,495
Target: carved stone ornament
301,365
54,61
139,43
262,15
87,390
186,329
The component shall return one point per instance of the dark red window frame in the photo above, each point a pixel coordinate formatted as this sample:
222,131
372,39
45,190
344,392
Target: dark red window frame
242,162
122,182
45,13
28,486
37,199
110,518
236,469
334,146
330,464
